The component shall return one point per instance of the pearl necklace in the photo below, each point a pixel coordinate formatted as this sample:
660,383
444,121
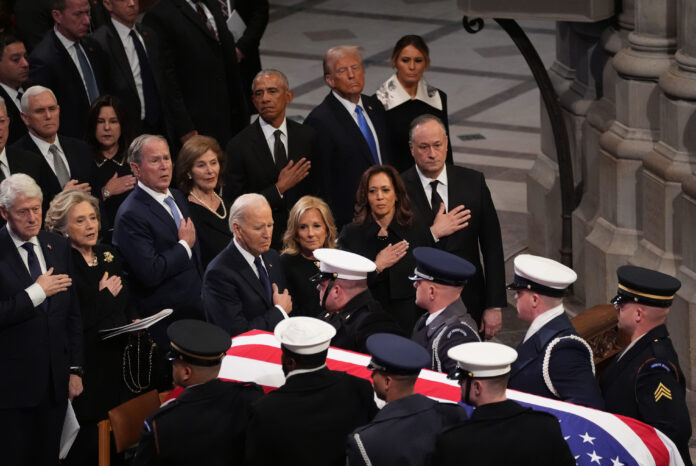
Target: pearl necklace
224,209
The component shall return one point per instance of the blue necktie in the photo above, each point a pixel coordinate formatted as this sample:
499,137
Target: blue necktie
175,212
90,81
32,261
263,277
367,133
152,110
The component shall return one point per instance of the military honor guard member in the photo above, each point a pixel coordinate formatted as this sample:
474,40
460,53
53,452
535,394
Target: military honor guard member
207,423
349,305
553,360
306,421
645,381
403,432
439,278
500,431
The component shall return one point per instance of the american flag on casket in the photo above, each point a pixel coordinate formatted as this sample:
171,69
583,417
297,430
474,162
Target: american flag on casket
594,437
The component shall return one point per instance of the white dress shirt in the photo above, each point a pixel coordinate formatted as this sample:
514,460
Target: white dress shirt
4,164
35,292
160,197
132,56
44,149
70,47
350,107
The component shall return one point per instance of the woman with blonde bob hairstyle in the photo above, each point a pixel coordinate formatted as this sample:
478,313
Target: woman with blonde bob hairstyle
310,226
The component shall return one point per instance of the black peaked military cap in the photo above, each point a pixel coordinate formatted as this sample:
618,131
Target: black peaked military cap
197,342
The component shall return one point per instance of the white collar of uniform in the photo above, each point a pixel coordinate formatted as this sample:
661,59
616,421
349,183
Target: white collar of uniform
425,181
18,242
630,345
304,371
433,316
122,30
268,129
350,106
249,257
392,94
45,146
67,43
159,197
543,319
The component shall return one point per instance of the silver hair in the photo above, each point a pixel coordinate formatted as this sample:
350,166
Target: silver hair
135,151
242,204
271,72
334,53
422,119
31,92
61,205
15,185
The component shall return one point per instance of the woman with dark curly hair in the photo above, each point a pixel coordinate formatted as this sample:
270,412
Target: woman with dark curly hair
386,230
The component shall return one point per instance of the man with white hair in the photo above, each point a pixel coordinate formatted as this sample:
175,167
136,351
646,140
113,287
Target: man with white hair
244,287
40,329
351,130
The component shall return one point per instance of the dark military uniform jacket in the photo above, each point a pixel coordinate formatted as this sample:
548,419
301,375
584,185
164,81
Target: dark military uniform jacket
568,370
360,317
403,432
206,424
504,433
647,384
452,327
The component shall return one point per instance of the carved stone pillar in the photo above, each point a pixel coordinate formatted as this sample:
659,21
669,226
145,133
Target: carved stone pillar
617,230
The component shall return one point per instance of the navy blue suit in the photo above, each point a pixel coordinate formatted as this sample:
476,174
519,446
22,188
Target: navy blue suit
233,296
343,153
37,347
161,273
569,366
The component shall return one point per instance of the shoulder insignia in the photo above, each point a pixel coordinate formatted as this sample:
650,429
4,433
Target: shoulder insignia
660,365
662,392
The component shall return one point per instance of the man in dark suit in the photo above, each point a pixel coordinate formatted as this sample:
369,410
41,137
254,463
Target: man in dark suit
351,131
200,55
553,361
404,430
67,162
152,100
645,380
154,233
272,156
14,72
70,64
500,431
40,329
310,416
206,423
463,218
244,286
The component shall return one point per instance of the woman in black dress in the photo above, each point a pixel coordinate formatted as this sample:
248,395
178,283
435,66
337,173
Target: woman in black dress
310,226
109,136
104,304
198,167
386,231
406,95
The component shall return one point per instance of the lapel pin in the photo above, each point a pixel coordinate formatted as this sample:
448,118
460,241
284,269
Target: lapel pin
49,246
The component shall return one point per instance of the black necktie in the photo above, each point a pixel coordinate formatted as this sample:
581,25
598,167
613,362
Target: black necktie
152,110
281,157
435,199
263,277
32,261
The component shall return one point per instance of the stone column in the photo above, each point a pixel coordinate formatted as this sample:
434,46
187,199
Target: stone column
616,232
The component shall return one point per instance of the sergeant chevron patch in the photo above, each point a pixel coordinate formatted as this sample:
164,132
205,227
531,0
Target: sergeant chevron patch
662,391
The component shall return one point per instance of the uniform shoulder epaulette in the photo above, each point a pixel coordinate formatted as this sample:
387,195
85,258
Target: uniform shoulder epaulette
570,340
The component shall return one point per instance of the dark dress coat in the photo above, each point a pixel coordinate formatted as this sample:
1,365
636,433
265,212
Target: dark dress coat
343,153
403,432
305,296
482,238
452,327
204,68
570,367
255,16
213,232
308,420
106,168
392,288
633,384
50,65
504,433
122,83
17,126
251,169
357,320
233,296
206,424
22,161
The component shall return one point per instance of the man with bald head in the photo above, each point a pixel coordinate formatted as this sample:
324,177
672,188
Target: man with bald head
351,130
244,287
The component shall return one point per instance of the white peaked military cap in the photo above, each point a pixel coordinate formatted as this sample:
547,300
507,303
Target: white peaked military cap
343,264
482,359
542,275
304,335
